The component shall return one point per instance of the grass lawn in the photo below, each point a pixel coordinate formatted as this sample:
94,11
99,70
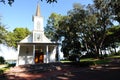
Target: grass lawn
97,61
93,61
4,67
118,56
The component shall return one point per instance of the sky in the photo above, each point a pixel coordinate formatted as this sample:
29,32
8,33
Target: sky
8,52
21,12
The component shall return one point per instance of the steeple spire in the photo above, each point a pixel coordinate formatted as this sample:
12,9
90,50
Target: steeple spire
38,10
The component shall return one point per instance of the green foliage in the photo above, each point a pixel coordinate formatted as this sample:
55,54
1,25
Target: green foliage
112,37
50,1
21,33
110,7
115,54
12,38
2,60
89,55
77,32
118,52
16,36
69,31
115,57
87,62
74,57
10,2
1,71
93,61
3,34
10,65
6,67
52,26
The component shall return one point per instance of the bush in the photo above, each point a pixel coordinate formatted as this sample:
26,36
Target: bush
74,57
11,65
118,52
115,54
89,55
1,71
2,60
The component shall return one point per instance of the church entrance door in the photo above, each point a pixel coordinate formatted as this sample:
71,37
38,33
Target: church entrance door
39,56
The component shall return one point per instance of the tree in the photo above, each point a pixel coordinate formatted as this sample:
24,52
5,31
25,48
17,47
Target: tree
3,34
50,1
112,39
88,31
16,36
52,26
85,26
109,6
2,60
97,21
68,31
10,2
11,40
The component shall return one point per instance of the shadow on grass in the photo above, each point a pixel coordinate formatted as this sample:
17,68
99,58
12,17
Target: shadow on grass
79,64
88,62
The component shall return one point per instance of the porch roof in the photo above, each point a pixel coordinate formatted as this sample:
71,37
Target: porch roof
37,44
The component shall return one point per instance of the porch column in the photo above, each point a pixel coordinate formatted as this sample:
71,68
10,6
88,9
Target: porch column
47,54
57,53
33,54
18,51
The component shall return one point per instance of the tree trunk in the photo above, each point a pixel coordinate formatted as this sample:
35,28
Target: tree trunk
86,46
96,51
115,51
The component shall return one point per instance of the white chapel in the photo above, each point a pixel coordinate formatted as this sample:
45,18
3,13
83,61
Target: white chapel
36,47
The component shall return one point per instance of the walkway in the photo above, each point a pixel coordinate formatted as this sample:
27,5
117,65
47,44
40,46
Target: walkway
59,71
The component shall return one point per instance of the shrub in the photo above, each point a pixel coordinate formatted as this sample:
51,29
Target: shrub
2,60
74,57
1,71
89,55
118,52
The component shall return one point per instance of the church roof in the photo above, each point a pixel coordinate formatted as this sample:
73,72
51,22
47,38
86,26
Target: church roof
38,10
29,39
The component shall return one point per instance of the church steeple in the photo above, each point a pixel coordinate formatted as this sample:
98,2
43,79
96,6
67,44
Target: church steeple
38,10
38,19
38,31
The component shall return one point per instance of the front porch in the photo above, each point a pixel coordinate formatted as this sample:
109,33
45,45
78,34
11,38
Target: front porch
33,53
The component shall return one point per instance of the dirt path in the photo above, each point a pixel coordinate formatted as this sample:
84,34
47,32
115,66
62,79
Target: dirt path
109,71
